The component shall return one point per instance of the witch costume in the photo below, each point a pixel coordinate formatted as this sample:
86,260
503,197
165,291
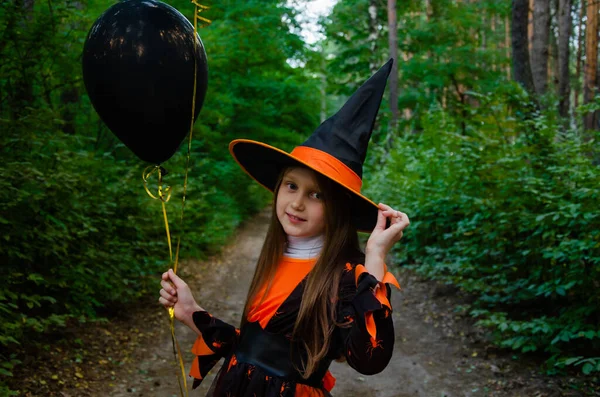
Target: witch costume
259,358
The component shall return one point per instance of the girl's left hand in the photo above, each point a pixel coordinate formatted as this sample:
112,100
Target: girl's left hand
381,240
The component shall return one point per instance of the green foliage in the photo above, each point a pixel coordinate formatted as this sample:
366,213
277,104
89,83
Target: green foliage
77,234
80,235
588,365
502,201
509,217
448,55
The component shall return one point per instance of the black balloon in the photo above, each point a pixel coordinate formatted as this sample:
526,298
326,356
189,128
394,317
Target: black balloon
138,70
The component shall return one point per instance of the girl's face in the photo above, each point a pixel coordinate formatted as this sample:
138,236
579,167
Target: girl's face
300,207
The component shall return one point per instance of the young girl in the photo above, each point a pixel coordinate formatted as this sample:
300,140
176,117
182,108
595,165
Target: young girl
315,297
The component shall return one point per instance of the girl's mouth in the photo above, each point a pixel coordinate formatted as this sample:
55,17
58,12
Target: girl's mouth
295,219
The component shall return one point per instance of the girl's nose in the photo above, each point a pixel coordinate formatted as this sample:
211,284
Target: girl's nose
297,204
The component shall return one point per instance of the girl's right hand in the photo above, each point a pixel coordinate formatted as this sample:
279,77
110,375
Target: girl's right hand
176,293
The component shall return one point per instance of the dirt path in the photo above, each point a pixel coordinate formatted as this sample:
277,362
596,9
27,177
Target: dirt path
436,353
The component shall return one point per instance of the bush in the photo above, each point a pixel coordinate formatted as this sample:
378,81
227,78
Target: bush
80,234
511,218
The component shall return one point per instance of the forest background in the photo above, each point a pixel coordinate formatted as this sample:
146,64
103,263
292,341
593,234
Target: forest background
487,138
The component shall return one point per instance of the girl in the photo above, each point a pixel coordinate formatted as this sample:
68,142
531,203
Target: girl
315,297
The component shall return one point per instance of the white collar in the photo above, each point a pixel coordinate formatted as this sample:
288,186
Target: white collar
304,247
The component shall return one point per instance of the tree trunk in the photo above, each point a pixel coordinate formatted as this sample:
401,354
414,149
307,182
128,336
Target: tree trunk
323,87
553,53
579,53
530,9
564,34
493,38
374,61
393,83
539,46
521,68
428,10
507,45
591,61
484,37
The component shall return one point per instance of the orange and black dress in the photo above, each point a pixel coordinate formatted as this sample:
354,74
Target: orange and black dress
257,358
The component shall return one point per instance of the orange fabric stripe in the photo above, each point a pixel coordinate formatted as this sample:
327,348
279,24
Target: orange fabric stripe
288,275
389,278
195,371
200,347
328,381
328,165
371,327
360,269
232,362
381,296
307,391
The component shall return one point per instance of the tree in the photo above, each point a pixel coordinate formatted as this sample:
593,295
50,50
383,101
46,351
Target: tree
539,45
580,29
521,65
506,44
591,61
564,33
393,83
373,28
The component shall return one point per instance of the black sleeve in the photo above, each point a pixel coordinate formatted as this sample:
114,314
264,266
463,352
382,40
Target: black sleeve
217,340
364,314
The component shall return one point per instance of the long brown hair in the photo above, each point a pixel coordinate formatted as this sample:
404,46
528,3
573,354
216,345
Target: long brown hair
316,318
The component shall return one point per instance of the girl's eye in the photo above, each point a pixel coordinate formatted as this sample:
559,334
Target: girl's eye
317,195
291,185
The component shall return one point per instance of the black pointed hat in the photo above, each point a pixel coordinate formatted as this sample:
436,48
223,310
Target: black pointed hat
336,149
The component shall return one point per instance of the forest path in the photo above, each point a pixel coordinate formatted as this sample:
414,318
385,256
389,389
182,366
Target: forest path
437,353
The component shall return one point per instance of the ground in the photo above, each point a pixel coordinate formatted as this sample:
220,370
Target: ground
437,351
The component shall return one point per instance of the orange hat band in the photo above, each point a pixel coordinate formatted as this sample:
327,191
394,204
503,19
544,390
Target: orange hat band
328,165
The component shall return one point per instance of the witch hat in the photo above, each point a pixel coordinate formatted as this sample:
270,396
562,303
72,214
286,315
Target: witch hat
336,149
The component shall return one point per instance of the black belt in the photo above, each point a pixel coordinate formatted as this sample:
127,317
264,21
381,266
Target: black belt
272,353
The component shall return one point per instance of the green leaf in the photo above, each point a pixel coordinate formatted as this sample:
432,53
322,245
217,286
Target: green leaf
35,277
571,360
5,372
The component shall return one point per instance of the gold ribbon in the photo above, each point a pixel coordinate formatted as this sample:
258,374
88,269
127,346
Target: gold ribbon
198,10
164,195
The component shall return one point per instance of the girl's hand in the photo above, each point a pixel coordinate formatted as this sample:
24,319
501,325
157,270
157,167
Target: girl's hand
381,240
176,293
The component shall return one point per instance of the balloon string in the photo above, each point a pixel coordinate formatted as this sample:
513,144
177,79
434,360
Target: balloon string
164,195
177,353
198,10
